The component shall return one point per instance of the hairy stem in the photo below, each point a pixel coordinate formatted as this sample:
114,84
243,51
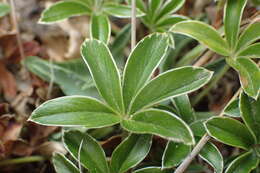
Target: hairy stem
133,25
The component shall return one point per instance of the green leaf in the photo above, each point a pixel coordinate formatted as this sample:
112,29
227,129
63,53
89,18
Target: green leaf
232,18
72,76
175,82
204,33
92,155
63,10
100,28
197,126
119,44
250,35
151,170
232,109
130,152
63,165
169,21
161,123
120,10
140,4
74,111
4,9
170,7
174,154
230,131
104,72
141,63
249,74
211,155
252,51
250,111
245,163
184,108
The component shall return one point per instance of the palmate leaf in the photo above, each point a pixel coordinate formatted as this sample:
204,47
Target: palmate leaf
141,63
204,33
63,10
232,18
130,152
161,123
63,165
244,163
250,111
104,72
230,131
170,84
249,35
100,27
249,74
74,111
92,155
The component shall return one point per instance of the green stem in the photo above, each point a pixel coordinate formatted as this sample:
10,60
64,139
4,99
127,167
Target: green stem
213,83
22,160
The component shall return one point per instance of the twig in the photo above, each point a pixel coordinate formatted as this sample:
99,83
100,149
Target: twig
16,28
204,58
196,150
133,25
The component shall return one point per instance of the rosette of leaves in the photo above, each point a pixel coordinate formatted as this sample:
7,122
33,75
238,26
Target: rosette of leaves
127,101
238,46
241,135
98,10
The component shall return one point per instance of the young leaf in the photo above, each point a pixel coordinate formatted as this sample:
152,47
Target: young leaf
141,63
74,111
232,18
63,165
63,10
170,7
72,76
174,153
211,155
232,109
130,152
252,51
245,163
184,108
120,10
250,35
230,131
249,74
92,155
4,9
151,170
161,123
175,82
250,111
100,28
203,33
104,72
